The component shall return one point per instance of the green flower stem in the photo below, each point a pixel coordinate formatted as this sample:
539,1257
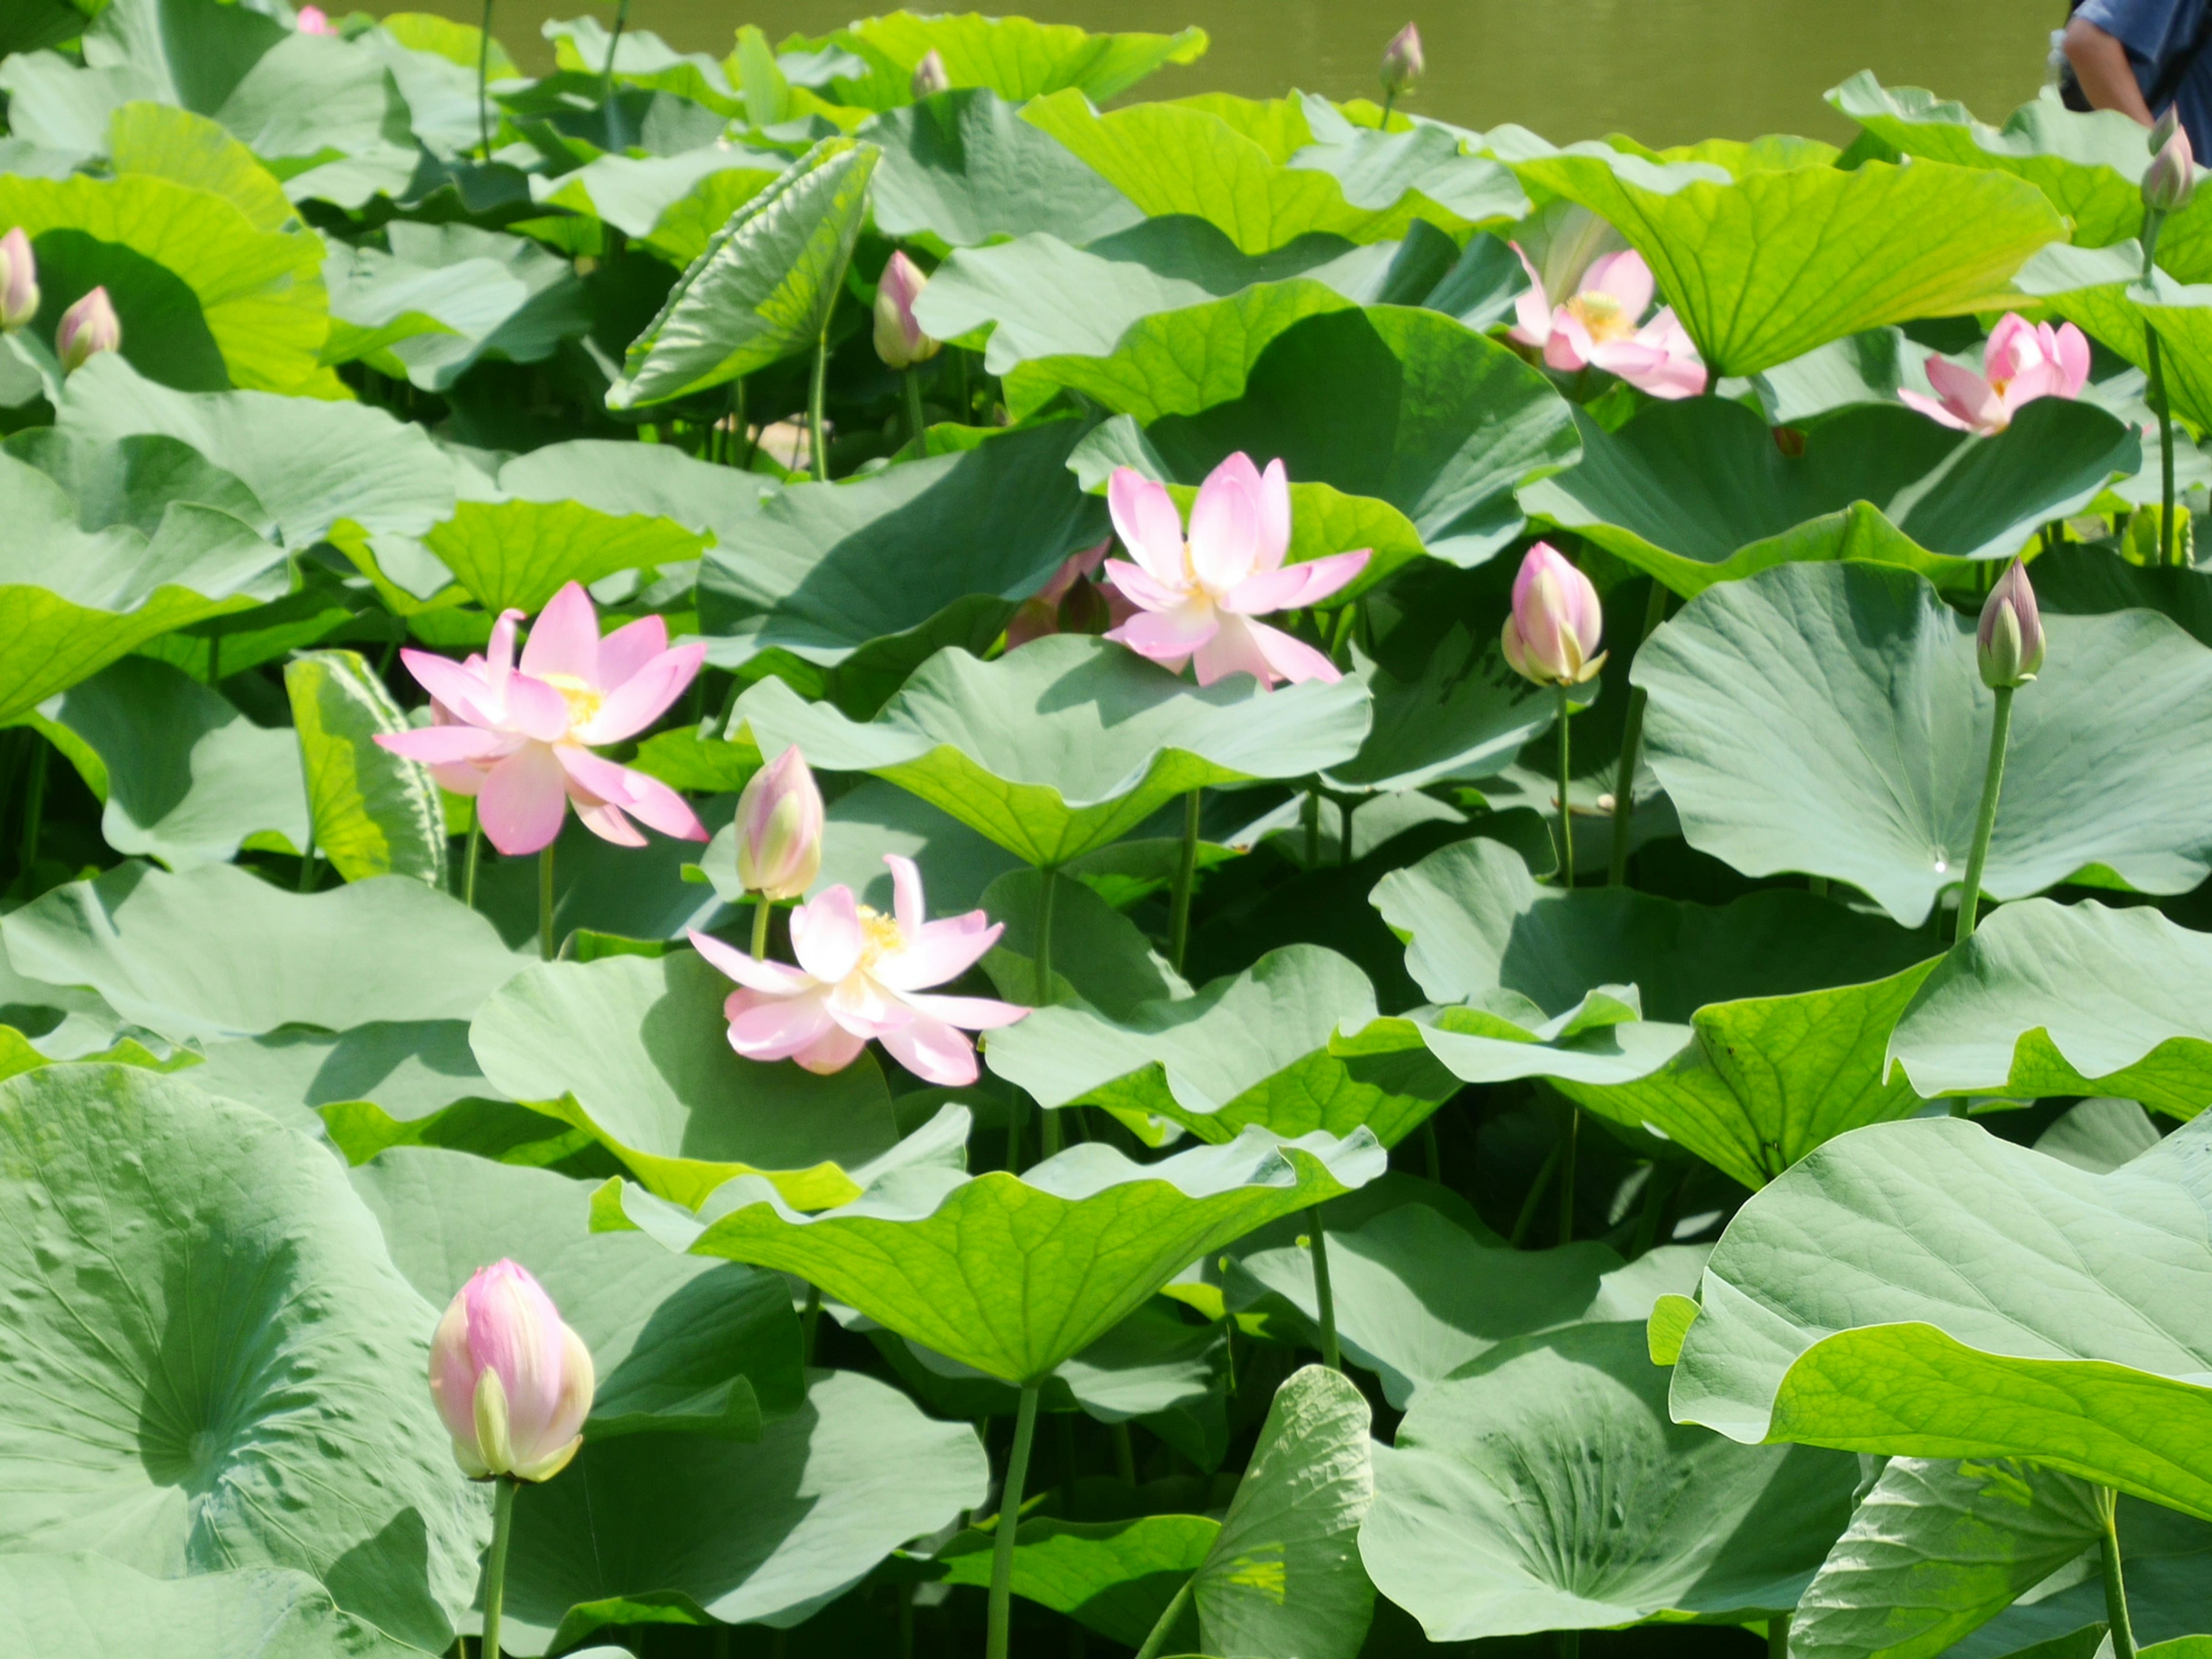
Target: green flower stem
1329,1355
1311,813
2120,1627
1993,781
1778,1638
740,428
1571,1644
917,423
1173,1611
1009,1523
502,1531
468,863
1125,1454
1185,875
1526,1219
2164,405
614,45
1566,816
484,80
816,393
307,866
545,903
809,1321
1568,1139
761,911
1632,748
1043,985
35,803
1389,99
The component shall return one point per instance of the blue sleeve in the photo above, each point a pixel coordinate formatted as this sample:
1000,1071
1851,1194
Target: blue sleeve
2148,29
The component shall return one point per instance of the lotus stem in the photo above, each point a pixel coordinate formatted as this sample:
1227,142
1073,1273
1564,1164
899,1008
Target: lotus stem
545,903
1389,99
2120,1628
307,866
1009,1523
1568,1139
809,1323
1986,821
1311,813
1567,815
1172,1612
761,911
215,660
1632,748
1777,1638
817,392
1526,1219
2165,408
1125,1454
1432,1154
1658,1192
614,45
503,1530
1329,1355
917,423
469,862
484,80
34,805
740,428
1043,958
1571,1644
1185,875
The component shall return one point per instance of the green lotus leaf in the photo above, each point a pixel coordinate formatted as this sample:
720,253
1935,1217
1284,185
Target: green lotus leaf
207,300
1377,169
205,1328
1543,1488
2039,1008
1763,267
638,893
217,952
1009,1274
965,168
1698,492
624,479
1257,1048
634,1051
2100,290
409,1070
519,554
801,569
372,813
2167,1558
53,1601
641,58
1829,719
2099,1134
643,1527
191,149
1924,1289
1014,57
1066,745
1098,954
673,204
763,289
1456,711
1113,1576
679,1347
2074,580
489,297
189,777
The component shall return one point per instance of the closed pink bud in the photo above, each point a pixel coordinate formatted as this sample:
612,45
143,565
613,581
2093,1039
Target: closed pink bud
513,1383
2009,644
88,328
929,75
1552,635
779,828
2172,174
1401,61
313,19
19,280
899,339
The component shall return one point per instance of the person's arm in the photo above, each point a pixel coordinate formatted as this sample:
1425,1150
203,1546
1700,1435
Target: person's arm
2100,64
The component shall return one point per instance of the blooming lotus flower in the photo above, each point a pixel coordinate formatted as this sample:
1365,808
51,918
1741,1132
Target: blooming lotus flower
2008,644
899,339
519,739
513,1383
2023,361
779,828
315,20
1070,602
861,975
88,328
19,280
1198,597
1402,62
1552,632
1602,325
929,75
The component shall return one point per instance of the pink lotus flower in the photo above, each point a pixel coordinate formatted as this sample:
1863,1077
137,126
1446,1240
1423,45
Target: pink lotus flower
780,817
900,341
2023,361
1070,602
1552,632
19,280
315,20
1198,597
86,329
513,1383
860,975
521,739
1602,325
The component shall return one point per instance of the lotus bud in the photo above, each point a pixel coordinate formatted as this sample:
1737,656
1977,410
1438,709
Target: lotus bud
2172,174
899,339
88,328
513,1383
1553,634
1402,62
313,19
929,75
19,280
779,828
2165,126
2008,644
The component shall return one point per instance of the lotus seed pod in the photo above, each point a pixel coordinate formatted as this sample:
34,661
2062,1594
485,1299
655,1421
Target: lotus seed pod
929,75
779,828
513,1383
1402,62
88,328
2008,644
19,280
899,339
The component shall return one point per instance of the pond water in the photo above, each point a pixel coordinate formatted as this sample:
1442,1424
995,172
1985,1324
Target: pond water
1666,71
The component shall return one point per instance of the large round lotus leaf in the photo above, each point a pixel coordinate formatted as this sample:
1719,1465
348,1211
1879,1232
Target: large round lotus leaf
1114,1576
635,1051
660,1527
517,555
217,952
210,1361
379,300
1829,719
1014,1274
2066,1000
537,303
673,204
1015,57
1763,267
1069,743
677,1345
1258,1048
89,1604
1698,492
2168,1562
1926,1289
1543,1488
1453,711
372,813
2102,290
408,1069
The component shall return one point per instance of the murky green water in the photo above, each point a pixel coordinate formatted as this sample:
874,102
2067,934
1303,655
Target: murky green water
1668,72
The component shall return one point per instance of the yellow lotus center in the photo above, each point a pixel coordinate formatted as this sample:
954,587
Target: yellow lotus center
583,700
1601,314
880,934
